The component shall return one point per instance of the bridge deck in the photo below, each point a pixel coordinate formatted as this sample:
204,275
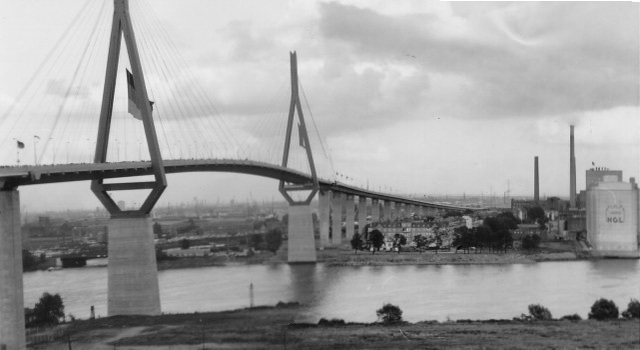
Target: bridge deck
11,177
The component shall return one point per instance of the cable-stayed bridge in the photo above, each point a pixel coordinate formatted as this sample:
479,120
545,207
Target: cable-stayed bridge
145,117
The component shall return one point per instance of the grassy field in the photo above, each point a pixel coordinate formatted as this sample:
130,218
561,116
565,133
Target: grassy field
270,328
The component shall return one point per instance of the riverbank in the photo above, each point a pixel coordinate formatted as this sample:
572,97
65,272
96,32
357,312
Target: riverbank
275,328
342,256
550,251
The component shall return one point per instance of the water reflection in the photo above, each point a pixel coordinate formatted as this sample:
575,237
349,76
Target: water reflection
354,293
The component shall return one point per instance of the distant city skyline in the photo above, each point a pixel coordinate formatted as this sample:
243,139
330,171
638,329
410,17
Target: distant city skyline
422,97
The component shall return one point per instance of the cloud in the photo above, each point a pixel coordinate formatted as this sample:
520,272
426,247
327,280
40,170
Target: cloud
525,60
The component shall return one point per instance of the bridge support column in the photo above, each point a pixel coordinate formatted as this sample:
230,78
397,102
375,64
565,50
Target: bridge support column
375,210
133,273
386,210
12,334
362,213
420,212
301,243
394,211
324,214
336,217
349,217
408,209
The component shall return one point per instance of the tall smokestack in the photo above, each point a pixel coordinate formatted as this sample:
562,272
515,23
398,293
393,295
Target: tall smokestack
572,173
536,181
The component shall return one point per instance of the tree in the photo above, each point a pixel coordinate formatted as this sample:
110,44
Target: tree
511,220
483,235
256,241
530,242
273,240
29,261
376,239
633,309
356,242
463,238
157,228
504,239
398,241
389,313
49,309
535,213
421,242
539,312
603,309
185,244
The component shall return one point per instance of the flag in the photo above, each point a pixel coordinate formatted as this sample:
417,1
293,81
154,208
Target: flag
20,144
36,136
300,135
133,98
592,163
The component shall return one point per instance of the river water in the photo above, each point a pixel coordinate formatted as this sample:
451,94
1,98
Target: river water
426,292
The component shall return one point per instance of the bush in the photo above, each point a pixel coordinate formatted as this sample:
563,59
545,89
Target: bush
530,242
603,309
331,322
539,312
48,310
389,313
633,309
572,318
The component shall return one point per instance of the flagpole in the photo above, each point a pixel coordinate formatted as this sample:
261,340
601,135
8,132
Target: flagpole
35,151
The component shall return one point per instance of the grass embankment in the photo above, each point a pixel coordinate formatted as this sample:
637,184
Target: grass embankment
272,328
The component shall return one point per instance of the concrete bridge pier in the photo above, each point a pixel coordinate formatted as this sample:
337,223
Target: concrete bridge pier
375,210
349,217
336,217
386,210
12,333
301,243
409,208
362,213
394,208
324,214
132,270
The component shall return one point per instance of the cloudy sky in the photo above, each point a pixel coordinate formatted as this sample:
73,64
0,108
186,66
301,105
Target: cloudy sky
417,96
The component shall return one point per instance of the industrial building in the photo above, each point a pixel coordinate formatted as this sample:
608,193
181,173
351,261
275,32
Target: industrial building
606,213
612,218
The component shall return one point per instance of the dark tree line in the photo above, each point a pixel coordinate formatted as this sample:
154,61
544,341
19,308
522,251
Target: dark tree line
270,241
493,234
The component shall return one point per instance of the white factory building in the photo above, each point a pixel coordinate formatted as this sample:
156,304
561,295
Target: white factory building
612,215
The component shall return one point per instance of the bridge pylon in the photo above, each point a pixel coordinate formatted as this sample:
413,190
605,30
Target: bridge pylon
301,242
133,274
12,331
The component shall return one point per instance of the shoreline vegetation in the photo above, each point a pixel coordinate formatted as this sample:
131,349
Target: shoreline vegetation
274,327
342,256
551,251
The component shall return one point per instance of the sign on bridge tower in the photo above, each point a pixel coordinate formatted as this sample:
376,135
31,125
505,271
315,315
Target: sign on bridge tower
122,26
294,106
